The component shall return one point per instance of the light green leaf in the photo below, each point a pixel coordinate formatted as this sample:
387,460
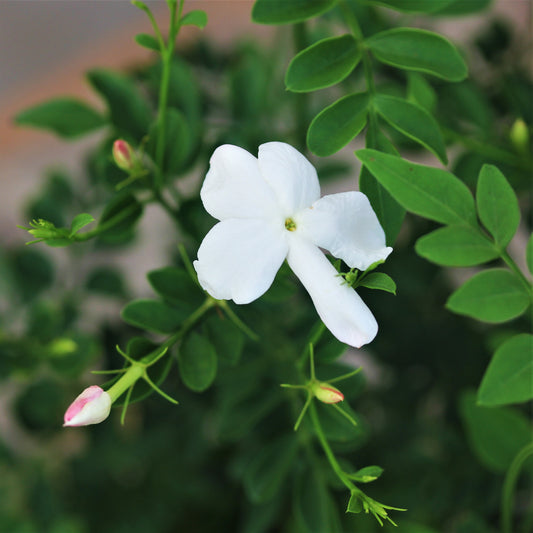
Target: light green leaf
495,295
458,246
269,469
197,362
80,221
413,121
152,315
509,377
414,6
322,64
336,125
67,117
379,280
196,17
147,41
426,191
288,11
420,92
497,205
529,253
496,434
128,110
420,50
367,474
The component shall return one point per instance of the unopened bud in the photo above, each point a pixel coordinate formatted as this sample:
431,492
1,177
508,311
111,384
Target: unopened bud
519,135
327,393
92,406
124,155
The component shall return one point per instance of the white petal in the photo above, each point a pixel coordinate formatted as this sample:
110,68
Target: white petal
238,259
345,225
234,188
292,177
338,305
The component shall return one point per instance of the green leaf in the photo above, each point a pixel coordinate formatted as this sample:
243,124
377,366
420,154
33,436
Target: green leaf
415,6
380,281
107,281
176,286
460,7
196,17
338,428
420,92
268,470
152,315
420,50
495,295
197,362
529,253
426,191
177,141
496,434
147,41
66,117
124,210
336,125
322,64
312,503
227,339
288,11
497,205
367,474
128,110
80,221
509,377
457,246
413,121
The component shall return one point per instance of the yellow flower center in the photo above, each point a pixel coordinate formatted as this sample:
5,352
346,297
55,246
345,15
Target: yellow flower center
290,225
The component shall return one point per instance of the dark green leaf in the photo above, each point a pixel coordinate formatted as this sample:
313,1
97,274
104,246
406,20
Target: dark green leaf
415,6
460,7
32,270
457,246
147,41
322,64
420,92
426,191
176,286
334,127
420,50
497,205
196,17
312,503
413,121
288,11
153,315
79,222
495,295
389,212
128,110
529,253
66,117
338,428
496,434
380,281
119,216
106,280
197,362
509,377
227,339
269,469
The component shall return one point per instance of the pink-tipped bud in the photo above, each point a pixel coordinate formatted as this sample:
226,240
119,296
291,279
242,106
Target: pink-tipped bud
327,393
92,406
124,155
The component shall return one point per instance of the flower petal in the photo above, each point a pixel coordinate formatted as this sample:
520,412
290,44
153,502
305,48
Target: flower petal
238,259
345,225
338,305
234,188
292,177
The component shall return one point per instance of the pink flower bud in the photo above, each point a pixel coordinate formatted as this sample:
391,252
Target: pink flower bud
327,393
124,155
92,406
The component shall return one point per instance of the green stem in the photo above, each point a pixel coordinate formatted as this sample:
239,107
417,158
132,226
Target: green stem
514,267
129,378
509,486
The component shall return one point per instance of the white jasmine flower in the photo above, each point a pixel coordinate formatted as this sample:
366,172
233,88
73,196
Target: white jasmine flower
270,210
